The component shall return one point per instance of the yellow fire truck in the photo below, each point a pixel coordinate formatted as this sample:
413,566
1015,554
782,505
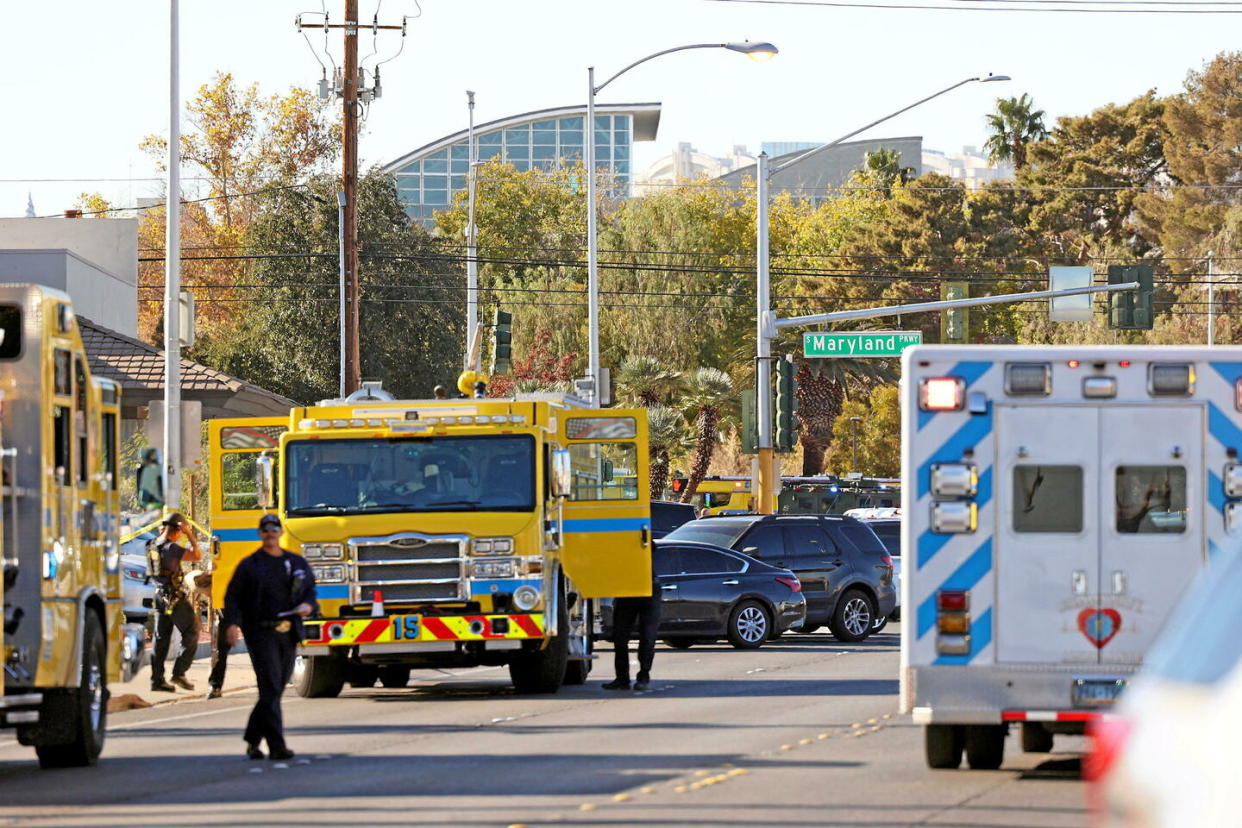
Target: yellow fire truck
61,635
448,532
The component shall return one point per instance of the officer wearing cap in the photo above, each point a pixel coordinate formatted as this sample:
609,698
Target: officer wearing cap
173,608
272,590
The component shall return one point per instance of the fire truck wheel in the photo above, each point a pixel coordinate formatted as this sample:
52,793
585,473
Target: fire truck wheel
318,677
943,746
543,671
1036,738
985,746
851,620
394,677
363,676
89,705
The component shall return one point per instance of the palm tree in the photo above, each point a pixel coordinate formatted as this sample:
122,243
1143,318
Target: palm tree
711,390
1014,125
823,386
643,381
884,167
666,433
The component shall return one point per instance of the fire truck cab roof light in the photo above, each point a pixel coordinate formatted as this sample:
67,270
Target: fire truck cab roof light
1031,379
1175,379
954,479
955,517
323,423
340,423
516,418
1099,387
942,394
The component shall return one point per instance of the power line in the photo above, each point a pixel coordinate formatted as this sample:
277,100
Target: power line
848,5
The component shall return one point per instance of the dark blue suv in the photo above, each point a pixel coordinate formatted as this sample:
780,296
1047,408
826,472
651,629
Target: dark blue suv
846,573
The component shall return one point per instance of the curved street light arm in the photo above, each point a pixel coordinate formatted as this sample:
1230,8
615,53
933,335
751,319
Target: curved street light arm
850,135
600,88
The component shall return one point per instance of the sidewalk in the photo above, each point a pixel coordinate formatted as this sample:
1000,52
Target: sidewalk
137,693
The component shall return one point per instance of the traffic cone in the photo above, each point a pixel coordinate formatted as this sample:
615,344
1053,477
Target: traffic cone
377,604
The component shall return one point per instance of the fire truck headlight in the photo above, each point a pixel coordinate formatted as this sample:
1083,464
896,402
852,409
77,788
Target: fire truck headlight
526,598
334,574
954,517
493,546
495,568
327,551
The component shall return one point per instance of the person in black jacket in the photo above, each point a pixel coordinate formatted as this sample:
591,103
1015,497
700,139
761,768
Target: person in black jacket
272,590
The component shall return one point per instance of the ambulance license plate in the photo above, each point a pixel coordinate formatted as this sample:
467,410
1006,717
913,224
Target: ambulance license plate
1097,692
405,627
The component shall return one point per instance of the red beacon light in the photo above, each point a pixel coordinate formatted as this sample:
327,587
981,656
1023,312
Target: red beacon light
1125,363
1073,363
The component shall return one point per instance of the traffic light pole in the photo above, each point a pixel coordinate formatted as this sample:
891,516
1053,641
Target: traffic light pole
765,487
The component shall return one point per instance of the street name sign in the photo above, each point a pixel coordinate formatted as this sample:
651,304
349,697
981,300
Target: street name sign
859,343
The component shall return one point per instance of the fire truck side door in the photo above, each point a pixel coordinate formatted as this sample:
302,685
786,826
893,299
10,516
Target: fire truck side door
1047,537
606,545
234,448
1151,521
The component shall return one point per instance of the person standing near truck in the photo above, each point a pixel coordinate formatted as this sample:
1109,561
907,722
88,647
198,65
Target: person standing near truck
272,590
173,608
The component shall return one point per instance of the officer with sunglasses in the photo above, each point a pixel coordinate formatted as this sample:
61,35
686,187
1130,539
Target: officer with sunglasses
272,590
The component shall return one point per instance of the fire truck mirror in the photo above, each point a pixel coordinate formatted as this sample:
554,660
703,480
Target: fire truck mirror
562,475
265,478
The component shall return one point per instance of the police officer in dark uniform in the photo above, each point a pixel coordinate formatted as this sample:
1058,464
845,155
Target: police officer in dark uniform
272,590
641,613
173,608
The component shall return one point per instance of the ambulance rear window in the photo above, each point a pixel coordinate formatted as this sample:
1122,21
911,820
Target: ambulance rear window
1151,499
10,331
1047,498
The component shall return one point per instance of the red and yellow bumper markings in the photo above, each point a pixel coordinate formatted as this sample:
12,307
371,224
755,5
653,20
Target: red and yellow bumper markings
412,628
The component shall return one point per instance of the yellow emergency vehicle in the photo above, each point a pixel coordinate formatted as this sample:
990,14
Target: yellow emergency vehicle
447,532
59,436
719,495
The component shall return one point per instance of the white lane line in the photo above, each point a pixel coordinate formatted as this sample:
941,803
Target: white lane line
182,717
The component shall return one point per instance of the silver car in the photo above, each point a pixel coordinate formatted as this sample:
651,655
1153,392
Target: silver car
138,594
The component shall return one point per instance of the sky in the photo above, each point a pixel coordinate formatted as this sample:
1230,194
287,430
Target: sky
84,81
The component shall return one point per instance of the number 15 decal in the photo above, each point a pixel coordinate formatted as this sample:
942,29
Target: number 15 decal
405,627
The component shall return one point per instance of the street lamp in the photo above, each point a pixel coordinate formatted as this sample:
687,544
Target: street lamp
763,367
761,50
854,421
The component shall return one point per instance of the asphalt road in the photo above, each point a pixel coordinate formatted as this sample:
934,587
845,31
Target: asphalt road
801,732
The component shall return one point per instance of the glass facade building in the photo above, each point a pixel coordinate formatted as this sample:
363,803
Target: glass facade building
428,177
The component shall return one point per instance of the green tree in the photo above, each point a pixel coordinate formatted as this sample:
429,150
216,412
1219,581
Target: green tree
666,435
1015,124
878,434
883,168
711,395
645,381
411,319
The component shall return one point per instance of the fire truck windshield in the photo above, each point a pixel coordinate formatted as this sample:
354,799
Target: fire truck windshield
422,474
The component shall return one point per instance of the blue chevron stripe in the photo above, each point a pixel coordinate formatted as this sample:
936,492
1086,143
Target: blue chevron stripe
1224,429
964,577
971,432
1229,371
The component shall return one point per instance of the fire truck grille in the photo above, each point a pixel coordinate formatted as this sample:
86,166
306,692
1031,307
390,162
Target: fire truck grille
405,571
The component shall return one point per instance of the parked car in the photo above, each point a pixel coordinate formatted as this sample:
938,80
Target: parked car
134,653
1170,754
888,529
846,573
138,596
667,515
708,593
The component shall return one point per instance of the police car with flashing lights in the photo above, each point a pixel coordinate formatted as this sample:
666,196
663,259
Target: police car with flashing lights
1057,502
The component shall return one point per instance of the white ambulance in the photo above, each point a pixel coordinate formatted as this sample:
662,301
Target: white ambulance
1057,501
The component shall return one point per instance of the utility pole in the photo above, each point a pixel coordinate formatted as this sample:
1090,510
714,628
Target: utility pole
766,486
1211,280
351,88
472,250
172,272
349,175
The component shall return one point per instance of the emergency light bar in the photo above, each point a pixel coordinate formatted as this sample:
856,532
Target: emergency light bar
942,394
1028,378
1171,379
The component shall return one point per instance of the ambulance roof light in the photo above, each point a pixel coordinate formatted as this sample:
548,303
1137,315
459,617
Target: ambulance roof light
1030,378
1171,379
942,394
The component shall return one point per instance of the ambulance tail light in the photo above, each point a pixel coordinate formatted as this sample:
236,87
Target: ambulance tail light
942,394
954,479
955,517
953,622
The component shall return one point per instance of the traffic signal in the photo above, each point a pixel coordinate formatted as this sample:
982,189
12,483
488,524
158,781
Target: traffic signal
502,341
786,405
954,322
1131,310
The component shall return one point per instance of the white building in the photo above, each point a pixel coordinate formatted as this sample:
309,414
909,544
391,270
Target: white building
970,166
686,164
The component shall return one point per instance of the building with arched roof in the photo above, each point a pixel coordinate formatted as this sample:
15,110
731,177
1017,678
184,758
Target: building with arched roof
547,139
